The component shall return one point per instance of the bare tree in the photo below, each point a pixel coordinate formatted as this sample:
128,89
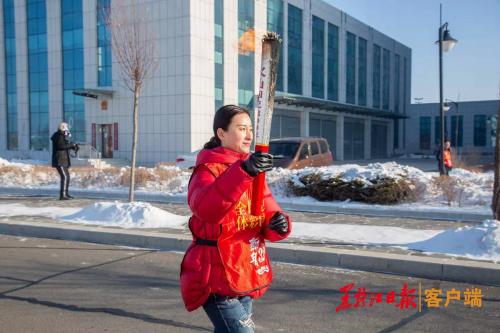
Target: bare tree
495,204
134,48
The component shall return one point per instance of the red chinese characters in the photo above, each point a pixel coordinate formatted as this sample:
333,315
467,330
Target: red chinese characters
361,297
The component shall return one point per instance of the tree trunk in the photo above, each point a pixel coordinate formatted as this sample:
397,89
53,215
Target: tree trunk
134,145
495,204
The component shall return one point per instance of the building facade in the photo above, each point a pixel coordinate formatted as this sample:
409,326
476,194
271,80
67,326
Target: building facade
470,126
338,78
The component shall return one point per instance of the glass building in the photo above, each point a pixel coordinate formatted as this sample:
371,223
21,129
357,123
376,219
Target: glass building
362,70
104,50
469,126
72,52
219,53
38,74
10,74
350,75
318,57
294,50
337,77
376,76
275,23
246,70
333,62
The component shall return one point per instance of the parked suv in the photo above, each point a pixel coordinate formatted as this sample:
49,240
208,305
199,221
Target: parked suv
300,152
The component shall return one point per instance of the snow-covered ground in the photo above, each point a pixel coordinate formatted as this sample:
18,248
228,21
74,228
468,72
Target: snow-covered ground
478,242
471,190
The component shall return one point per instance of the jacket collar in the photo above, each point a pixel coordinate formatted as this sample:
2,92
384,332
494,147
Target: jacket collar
219,155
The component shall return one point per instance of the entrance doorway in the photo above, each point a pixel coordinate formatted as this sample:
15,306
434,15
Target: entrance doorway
104,140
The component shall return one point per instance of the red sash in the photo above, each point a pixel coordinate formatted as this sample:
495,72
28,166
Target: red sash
242,248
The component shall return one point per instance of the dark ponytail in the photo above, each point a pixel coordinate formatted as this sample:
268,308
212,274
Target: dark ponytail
222,119
213,143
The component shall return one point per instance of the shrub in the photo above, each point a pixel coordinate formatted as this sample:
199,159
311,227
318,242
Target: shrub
451,187
382,190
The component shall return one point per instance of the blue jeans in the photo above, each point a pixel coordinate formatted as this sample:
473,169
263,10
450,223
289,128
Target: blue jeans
230,314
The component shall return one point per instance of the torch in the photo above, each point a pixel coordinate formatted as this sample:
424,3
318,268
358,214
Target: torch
265,104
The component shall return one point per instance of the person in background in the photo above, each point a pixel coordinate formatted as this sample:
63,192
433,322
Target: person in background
226,266
61,145
447,166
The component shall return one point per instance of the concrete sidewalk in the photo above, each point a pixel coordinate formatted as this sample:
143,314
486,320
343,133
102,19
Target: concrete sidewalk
405,263
407,211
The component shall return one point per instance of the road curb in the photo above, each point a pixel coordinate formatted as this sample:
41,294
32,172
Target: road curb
469,271
459,215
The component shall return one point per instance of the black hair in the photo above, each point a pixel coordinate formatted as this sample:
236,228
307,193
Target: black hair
222,119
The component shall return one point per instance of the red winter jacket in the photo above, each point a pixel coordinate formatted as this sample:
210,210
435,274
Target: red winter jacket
217,184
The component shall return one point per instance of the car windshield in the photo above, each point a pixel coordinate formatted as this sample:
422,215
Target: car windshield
283,149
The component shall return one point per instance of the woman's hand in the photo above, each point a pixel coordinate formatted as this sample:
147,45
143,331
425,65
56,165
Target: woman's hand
279,223
257,162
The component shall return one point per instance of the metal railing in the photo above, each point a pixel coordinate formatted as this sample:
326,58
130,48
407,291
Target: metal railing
88,152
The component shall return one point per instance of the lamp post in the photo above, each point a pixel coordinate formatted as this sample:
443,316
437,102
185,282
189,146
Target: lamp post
446,43
447,104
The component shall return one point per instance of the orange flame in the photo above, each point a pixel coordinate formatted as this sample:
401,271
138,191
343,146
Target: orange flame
246,43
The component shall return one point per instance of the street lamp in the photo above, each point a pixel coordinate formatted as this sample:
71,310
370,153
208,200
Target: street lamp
446,43
447,105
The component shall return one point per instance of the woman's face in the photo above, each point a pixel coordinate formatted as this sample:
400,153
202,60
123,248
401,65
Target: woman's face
239,134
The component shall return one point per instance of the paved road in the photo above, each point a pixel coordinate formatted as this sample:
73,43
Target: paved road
61,286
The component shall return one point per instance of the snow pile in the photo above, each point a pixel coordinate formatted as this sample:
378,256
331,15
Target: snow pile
127,215
475,242
350,172
164,179
478,242
359,234
470,189
15,209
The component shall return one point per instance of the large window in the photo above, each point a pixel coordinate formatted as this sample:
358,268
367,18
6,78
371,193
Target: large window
376,76
457,129
396,83
354,139
362,71
219,53
72,47
396,134
493,132
404,101
385,79
333,62
479,130
425,133
378,139
318,58
104,62
350,68
437,129
325,127
10,73
294,50
275,23
246,59
38,74
285,126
